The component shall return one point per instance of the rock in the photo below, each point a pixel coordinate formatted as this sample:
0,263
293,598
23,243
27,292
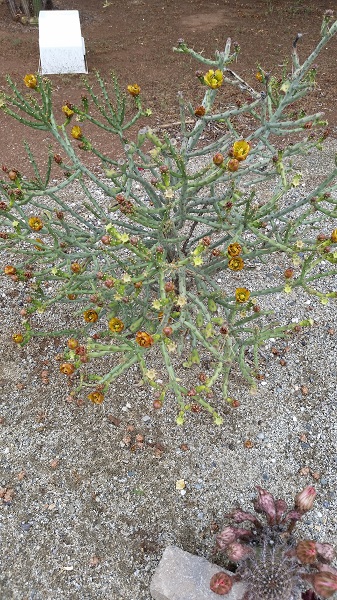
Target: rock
183,576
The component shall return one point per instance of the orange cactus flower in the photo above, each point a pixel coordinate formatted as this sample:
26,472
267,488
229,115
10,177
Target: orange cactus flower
35,223
233,165
134,89
17,338
259,76
144,339
76,132
9,270
30,81
241,150
236,264
67,368
96,397
116,325
200,111
242,295
67,111
213,79
90,316
234,249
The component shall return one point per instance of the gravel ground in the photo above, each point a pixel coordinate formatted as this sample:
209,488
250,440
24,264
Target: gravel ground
87,514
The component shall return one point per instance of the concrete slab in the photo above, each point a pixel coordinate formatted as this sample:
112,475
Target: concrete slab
183,576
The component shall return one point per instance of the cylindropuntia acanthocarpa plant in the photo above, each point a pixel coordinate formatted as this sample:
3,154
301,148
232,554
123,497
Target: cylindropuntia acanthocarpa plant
158,261
271,562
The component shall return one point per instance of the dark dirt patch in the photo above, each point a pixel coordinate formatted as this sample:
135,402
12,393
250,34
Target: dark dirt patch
134,38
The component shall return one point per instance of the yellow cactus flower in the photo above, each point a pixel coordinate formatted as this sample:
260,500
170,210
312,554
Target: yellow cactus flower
67,368
96,397
67,111
72,343
242,295
116,325
90,316
234,249
35,223
30,81
17,338
333,236
144,339
76,132
241,150
134,89
213,79
236,264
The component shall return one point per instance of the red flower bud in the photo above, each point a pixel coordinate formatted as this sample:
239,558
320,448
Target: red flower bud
237,552
265,503
221,583
325,552
324,583
239,516
306,552
304,500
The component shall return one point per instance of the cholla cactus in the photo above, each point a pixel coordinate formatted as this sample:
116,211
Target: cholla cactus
271,563
159,265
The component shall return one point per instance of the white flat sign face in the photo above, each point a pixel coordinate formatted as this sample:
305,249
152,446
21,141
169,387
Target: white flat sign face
61,43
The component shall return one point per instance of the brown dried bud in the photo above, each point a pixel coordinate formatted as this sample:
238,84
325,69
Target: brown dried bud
169,286
206,241
289,273
233,165
58,159
216,252
106,239
109,283
218,159
12,174
76,267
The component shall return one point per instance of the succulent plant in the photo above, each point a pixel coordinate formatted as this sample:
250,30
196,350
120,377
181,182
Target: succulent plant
270,561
